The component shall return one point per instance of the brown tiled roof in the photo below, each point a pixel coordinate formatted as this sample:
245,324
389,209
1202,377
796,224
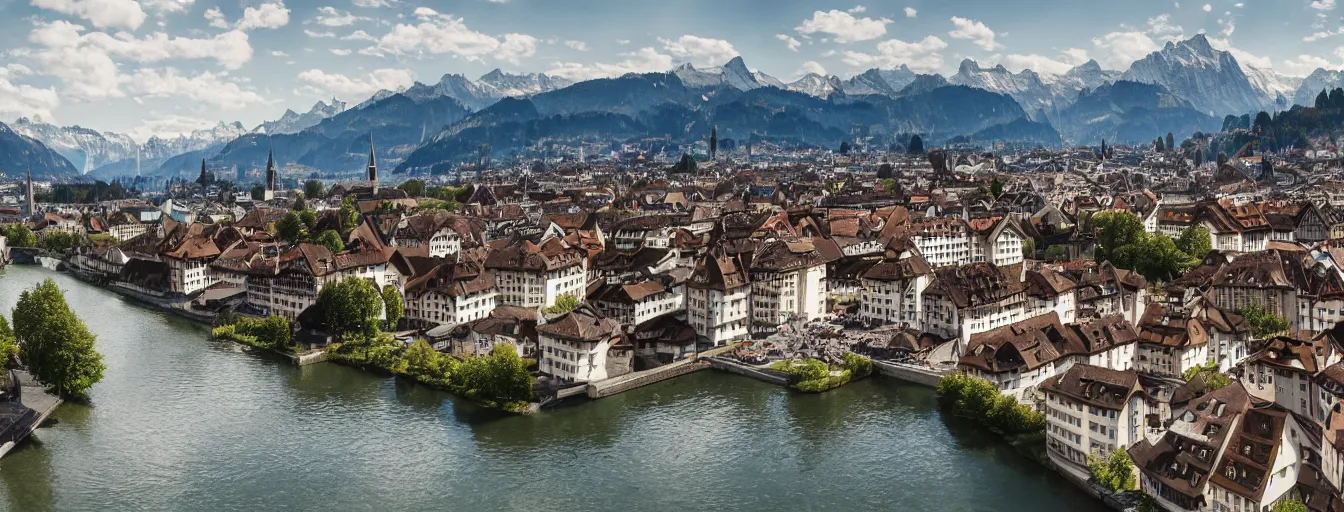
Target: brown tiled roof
1095,385
582,324
974,284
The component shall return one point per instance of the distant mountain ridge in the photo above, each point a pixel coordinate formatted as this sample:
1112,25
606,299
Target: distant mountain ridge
20,154
293,122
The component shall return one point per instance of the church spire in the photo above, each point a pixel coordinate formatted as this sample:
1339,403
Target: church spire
272,179
373,163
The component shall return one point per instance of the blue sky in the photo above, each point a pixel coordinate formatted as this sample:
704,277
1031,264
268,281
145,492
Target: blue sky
169,66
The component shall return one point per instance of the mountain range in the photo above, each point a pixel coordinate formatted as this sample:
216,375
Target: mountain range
1183,87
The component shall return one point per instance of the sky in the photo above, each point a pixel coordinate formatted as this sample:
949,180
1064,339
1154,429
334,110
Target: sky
165,67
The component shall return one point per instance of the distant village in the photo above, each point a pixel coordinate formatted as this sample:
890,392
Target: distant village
1186,312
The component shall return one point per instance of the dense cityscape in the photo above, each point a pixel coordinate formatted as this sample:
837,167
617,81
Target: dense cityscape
1088,278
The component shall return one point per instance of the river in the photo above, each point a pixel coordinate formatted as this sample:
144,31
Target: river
181,422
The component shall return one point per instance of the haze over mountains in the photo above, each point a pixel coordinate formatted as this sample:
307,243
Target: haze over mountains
1184,87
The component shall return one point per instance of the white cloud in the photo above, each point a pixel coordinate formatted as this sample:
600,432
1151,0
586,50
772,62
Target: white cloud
1208,8
216,18
168,126
166,6
811,67
1322,35
975,32
643,60
340,51
858,9
910,12
1323,5
1304,65
1243,57
622,42
921,56
789,41
319,35
278,53
577,45
328,16
318,81
1076,56
1038,63
25,100
268,15
439,34
373,3
843,27
358,35
1120,49
125,14
207,88
84,62
1162,28
700,51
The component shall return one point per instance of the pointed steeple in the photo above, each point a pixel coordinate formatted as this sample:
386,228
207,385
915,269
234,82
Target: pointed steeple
32,203
272,179
373,164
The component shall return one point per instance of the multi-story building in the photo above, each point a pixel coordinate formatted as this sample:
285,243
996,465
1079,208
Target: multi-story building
969,299
449,293
1174,340
995,240
532,275
583,346
943,241
718,298
788,283
1090,410
632,305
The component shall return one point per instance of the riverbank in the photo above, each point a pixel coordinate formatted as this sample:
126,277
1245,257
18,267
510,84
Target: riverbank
18,420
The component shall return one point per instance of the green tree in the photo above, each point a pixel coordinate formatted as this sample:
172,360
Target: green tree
289,227
258,193
1195,242
349,215
888,185
1029,249
995,188
413,187
916,146
509,379
1171,142
309,219
393,307
422,360
844,148
1322,100
1264,324
8,346
1114,472
563,304
18,235
331,240
1057,253
1262,122
313,189
1155,257
54,344
1289,506
274,332
884,171
351,306
59,241
1115,229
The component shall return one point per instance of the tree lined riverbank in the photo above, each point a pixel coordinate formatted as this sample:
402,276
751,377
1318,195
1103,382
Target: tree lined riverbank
181,422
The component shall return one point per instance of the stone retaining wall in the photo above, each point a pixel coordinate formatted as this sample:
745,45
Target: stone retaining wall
907,373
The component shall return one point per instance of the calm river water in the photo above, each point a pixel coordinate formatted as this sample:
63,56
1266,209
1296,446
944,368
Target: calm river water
184,423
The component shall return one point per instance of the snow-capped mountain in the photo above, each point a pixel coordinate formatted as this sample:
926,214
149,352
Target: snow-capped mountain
886,82
1311,86
767,80
813,84
1026,87
1275,86
734,74
1210,79
479,94
513,86
293,122
85,148
1087,75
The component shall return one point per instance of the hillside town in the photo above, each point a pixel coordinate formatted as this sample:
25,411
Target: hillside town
1185,312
